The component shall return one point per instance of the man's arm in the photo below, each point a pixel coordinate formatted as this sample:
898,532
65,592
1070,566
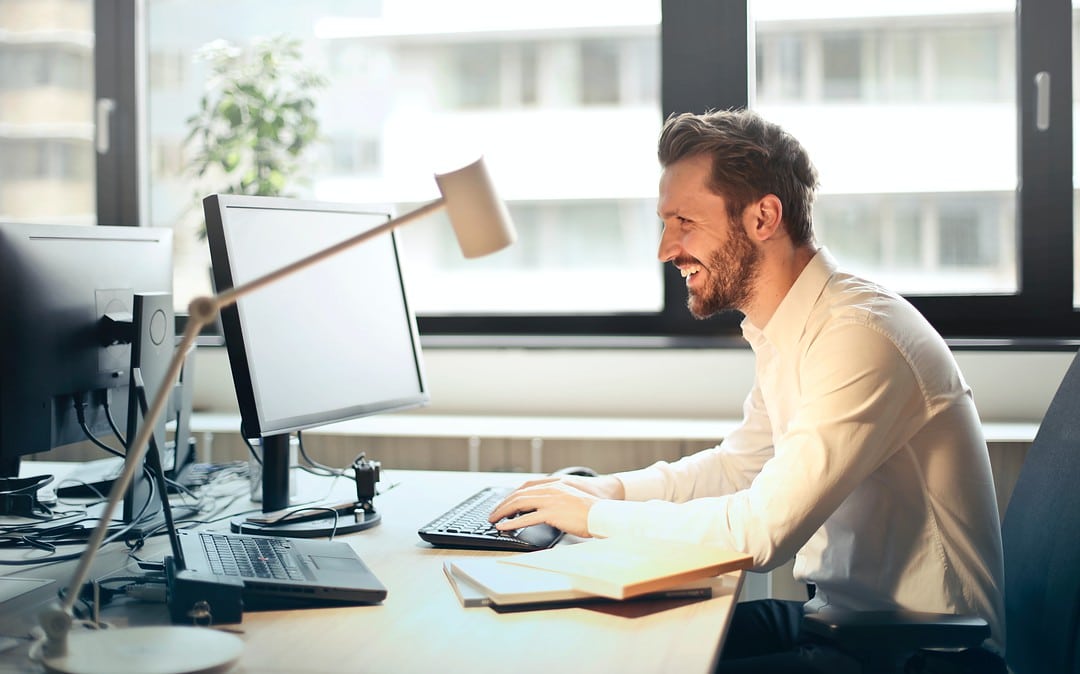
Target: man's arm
566,502
854,403
856,398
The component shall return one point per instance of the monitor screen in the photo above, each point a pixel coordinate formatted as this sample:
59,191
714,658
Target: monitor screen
57,282
332,342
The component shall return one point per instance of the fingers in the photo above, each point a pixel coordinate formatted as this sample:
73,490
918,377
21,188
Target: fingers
525,519
504,509
512,505
538,481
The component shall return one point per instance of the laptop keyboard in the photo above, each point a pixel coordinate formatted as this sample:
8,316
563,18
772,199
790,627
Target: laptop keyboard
250,556
466,526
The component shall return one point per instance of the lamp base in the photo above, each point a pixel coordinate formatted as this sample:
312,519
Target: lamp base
147,650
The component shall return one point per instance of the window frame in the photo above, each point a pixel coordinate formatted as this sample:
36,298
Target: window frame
117,42
705,63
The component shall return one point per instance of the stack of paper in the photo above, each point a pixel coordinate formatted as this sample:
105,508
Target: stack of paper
612,569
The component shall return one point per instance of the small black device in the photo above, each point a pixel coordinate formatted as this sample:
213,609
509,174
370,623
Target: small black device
18,495
366,473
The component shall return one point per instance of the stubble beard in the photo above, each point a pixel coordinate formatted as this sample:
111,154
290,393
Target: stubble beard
732,272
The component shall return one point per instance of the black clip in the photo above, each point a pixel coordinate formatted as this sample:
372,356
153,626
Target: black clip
367,475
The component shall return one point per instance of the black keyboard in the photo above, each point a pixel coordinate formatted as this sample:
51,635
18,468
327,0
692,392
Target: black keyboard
250,556
466,526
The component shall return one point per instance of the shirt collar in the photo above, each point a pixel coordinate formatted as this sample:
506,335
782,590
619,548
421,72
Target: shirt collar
789,319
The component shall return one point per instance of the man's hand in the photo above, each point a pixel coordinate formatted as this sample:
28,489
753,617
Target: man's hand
563,502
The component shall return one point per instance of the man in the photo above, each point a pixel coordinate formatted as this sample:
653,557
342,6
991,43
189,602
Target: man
860,451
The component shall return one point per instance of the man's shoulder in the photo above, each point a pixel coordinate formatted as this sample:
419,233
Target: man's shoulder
849,296
852,303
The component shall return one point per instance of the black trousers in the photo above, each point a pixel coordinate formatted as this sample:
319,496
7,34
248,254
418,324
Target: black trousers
765,637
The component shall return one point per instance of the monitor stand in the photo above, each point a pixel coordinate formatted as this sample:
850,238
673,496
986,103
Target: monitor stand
344,518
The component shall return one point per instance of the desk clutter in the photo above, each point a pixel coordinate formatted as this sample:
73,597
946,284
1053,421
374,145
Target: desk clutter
131,591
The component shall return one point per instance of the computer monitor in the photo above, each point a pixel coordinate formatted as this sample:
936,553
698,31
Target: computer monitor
61,286
333,342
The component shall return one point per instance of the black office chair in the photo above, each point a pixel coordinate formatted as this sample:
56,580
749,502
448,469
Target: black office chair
1041,536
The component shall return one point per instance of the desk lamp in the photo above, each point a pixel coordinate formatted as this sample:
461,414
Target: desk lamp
481,225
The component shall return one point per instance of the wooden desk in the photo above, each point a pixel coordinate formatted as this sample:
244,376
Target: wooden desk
421,627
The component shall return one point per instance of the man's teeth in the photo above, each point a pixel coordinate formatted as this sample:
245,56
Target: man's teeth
687,271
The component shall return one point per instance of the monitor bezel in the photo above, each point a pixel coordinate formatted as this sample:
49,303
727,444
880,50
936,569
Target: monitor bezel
217,208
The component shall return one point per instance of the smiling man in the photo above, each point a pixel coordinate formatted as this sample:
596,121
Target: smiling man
860,452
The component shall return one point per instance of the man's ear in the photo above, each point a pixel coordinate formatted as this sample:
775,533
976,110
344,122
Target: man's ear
768,214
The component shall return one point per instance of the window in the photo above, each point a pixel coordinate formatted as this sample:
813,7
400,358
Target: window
842,61
564,107
475,75
599,72
46,111
891,125
922,119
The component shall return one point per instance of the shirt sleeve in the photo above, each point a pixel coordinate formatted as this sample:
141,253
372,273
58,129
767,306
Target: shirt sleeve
857,397
723,469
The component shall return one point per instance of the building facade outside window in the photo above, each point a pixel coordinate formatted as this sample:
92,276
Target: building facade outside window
919,116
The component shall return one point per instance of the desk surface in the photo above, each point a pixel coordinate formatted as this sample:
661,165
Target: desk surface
422,627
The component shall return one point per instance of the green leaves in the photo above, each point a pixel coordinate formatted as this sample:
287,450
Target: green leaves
256,118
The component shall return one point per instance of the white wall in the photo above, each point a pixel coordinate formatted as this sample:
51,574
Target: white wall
664,383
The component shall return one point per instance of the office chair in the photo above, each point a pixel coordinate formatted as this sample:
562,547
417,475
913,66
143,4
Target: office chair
1041,537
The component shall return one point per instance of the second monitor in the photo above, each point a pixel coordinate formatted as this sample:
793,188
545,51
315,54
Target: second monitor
330,343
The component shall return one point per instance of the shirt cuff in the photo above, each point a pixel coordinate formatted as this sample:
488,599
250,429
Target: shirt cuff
644,484
608,518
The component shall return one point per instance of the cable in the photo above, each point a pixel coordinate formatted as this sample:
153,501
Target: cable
251,448
112,422
313,463
321,469
79,403
292,515
69,556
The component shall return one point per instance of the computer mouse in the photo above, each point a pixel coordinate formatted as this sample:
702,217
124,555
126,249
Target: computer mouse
583,471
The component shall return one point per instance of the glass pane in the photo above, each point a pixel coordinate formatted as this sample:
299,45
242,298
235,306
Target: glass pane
910,116
1076,147
46,111
561,98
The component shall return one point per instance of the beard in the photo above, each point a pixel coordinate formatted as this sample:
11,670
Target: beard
732,271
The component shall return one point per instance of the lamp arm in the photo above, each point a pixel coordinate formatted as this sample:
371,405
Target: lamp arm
201,312
227,297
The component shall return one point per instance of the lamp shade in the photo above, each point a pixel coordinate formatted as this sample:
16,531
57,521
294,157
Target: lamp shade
480,219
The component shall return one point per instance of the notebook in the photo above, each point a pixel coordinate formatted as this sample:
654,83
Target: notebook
280,572
485,581
626,566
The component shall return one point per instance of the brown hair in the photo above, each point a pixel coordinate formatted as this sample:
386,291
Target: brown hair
751,158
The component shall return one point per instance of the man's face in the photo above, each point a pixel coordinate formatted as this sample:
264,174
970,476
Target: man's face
715,255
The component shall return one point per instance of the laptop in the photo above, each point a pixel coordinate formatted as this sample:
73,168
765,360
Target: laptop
214,576
269,572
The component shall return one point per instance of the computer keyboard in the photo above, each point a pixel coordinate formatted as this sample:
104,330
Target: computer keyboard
250,556
466,526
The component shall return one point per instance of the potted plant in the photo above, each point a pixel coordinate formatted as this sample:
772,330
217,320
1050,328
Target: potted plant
256,118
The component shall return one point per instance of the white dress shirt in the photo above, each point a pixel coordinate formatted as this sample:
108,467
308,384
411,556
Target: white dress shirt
860,453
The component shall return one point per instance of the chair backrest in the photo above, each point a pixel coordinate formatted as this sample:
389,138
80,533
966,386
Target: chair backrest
1041,535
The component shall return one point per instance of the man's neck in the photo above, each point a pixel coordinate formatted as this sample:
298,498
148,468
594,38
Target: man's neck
780,268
